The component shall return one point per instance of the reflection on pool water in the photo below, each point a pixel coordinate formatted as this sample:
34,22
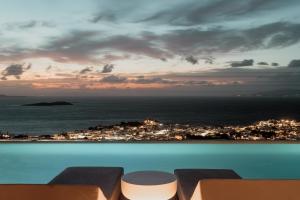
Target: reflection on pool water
39,163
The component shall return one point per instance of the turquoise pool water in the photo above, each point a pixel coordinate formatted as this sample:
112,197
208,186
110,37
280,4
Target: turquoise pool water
39,163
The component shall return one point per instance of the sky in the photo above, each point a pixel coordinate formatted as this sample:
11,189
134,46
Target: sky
141,47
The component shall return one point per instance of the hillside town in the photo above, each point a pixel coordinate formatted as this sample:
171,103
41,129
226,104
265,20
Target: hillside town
152,130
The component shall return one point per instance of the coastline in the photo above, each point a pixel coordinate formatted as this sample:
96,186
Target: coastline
152,131
150,142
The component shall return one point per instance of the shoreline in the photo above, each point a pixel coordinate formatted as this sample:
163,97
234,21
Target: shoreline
149,142
152,131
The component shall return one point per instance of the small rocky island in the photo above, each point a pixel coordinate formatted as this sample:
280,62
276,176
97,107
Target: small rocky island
57,103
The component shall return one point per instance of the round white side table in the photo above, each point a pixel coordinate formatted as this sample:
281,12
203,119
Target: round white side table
149,185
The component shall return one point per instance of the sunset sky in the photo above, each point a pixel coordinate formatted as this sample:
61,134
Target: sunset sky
157,47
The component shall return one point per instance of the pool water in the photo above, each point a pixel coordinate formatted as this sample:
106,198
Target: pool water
39,163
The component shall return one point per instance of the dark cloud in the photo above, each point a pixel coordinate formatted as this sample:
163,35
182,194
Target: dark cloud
28,66
103,16
15,70
84,46
86,70
219,82
192,60
143,80
65,75
108,68
294,63
209,83
29,25
114,79
89,46
209,59
111,57
194,13
207,41
49,68
244,63
116,11
245,81
263,63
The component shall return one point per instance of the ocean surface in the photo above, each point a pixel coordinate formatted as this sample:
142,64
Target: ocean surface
39,163
92,111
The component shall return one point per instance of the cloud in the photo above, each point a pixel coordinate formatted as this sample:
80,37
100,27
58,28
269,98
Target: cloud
115,11
193,13
164,59
263,63
28,66
173,82
209,59
15,70
91,47
140,80
49,68
85,46
294,63
94,47
103,16
108,68
64,75
244,63
244,81
112,57
29,25
114,79
86,70
219,82
192,60
197,41
143,80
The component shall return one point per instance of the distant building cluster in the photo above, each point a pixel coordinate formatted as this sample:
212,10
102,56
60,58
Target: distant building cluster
288,130
152,130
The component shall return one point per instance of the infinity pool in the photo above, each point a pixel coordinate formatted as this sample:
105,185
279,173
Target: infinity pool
39,163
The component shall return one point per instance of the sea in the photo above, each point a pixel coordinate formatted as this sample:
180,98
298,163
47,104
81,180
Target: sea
38,163
91,111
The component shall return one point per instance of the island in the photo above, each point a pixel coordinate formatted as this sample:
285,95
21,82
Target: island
57,103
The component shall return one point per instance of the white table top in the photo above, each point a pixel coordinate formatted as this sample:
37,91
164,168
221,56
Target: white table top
149,185
149,178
